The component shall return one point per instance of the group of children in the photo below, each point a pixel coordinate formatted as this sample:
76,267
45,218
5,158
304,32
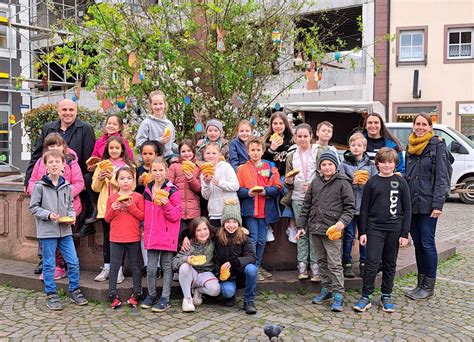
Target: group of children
153,212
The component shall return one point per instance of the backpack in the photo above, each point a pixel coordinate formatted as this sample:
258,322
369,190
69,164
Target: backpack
450,167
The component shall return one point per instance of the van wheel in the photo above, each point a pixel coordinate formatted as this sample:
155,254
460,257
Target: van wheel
468,197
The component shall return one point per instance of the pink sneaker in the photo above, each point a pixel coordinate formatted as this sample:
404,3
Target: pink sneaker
41,276
59,273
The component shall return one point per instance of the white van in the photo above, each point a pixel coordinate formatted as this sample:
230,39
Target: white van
462,149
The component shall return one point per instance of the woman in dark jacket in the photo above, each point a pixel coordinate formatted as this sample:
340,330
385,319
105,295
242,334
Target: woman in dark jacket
235,259
427,177
379,136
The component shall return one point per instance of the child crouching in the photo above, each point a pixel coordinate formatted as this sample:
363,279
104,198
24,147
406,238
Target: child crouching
329,202
52,206
235,258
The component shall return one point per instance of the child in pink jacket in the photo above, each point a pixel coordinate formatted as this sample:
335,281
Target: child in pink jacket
72,173
161,230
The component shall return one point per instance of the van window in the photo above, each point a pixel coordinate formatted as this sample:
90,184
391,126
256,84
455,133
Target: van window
402,134
447,138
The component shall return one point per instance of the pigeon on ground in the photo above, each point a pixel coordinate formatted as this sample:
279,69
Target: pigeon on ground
273,330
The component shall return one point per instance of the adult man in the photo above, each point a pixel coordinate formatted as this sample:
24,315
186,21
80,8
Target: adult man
79,136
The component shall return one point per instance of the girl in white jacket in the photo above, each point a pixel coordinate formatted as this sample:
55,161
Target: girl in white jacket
223,185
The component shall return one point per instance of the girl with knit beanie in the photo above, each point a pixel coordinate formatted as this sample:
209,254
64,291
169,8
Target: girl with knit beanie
235,259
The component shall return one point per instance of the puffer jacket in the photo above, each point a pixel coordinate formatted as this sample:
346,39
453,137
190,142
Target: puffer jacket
238,154
349,165
190,190
428,186
239,255
326,203
46,199
161,224
72,173
197,248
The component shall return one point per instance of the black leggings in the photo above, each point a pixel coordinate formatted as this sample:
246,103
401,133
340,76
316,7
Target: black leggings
106,240
380,245
117,252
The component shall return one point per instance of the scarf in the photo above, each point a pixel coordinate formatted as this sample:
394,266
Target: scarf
417,145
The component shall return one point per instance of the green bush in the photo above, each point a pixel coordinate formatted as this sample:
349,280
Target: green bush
37,117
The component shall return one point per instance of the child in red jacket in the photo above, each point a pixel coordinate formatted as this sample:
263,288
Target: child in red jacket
125,210
260,188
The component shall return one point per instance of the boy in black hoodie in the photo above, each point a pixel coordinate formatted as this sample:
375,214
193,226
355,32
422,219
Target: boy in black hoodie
385,216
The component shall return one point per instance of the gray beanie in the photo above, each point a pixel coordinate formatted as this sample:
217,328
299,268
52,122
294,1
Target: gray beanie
328,155
216,123
231,211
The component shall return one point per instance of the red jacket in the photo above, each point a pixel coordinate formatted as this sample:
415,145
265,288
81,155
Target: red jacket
125,224
190,190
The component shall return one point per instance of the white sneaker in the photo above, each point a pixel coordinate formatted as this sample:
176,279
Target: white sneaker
120,277
188,305
291,232
103,275
270,236
197,298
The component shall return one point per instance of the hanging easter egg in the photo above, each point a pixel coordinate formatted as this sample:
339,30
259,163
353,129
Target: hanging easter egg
198,127
277,106
276,37
126,84
136,78
337,56
106,104
74,98
249,73
114,76
18,86
187,100
132,59
320,75
141,76
121,102
12,119
220,46
253,121
299,59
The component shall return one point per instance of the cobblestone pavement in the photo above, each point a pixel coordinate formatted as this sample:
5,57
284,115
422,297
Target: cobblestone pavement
446,316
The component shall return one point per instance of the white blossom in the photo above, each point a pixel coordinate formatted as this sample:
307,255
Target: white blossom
196,80
189,83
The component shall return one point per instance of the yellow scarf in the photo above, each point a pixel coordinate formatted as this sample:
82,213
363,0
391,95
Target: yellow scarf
417,145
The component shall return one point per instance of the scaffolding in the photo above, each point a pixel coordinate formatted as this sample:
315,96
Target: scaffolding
31,31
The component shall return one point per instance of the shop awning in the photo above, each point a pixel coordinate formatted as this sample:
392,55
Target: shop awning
335,106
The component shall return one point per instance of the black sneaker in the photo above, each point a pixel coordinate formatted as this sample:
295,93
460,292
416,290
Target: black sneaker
53,302
78,298
93,217
348,272
39,268
85,230
229,301
148,302
162,305
250,308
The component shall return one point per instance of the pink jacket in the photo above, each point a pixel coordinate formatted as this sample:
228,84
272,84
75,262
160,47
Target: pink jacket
100,143
72,173
190,190
161,224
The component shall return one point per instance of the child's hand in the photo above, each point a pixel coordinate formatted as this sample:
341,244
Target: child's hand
53,216
207,179
188,176
252,194
245,231
363,240
91,168
116,205
226,266
403,241
289,180
276,143
164,140
339,225
140,179
164,201
215,181
127,203
305,187
299,234
186,246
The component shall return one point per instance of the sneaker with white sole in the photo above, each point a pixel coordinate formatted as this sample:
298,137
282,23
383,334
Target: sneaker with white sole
59,273
188,305
387,303
291,232
315,273
362,304
103,275
197,298
120,277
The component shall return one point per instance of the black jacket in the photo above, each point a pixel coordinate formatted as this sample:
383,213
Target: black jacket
239,256
326,203
81,140
428,178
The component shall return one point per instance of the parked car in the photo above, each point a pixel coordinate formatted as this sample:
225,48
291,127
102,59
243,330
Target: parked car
462,149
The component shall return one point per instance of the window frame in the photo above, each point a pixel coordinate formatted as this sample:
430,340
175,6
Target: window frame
403,29
437,104
457,28
10,50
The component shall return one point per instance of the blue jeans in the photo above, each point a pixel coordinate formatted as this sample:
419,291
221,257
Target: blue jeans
229,288
68,251
258,235
423,231
349,236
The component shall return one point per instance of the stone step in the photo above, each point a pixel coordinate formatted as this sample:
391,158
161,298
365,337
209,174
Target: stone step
20,275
